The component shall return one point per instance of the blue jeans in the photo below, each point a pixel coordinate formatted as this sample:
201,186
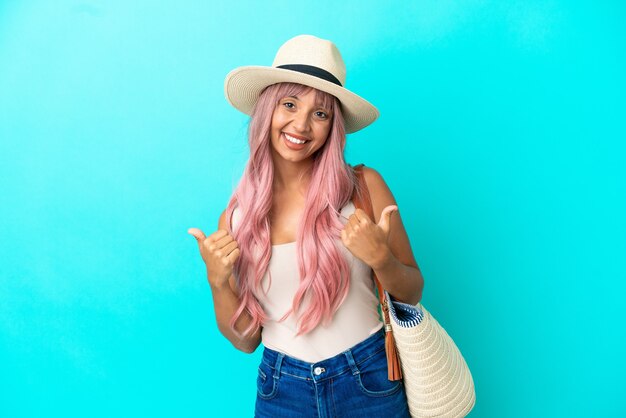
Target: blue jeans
351,384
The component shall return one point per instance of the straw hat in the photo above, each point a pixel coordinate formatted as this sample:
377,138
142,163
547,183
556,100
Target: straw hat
307,60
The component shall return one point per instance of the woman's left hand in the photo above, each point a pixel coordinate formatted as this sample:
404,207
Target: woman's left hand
367,240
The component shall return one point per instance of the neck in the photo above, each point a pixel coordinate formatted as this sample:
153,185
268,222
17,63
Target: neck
292,177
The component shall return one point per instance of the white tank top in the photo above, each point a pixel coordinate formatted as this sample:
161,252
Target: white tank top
356,319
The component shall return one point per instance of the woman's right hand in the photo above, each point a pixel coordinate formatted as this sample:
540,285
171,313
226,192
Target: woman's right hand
219,252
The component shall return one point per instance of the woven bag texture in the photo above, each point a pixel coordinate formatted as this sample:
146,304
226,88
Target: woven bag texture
436,377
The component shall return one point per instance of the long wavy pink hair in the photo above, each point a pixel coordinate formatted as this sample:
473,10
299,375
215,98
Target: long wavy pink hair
324,272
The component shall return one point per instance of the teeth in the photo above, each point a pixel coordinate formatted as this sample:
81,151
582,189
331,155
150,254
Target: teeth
294,140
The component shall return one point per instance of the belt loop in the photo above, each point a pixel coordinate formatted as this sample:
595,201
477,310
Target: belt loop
351,362
278,365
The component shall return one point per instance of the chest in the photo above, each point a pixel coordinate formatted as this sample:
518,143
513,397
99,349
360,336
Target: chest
285,219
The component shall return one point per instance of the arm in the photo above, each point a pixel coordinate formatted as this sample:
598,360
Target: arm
396,267
226,301
219,252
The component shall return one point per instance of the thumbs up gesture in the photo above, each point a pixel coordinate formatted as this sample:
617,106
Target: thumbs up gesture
219,252
367,240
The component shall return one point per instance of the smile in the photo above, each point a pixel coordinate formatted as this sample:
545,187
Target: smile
294,140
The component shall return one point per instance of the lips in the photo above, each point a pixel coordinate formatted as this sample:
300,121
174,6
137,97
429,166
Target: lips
293,145
296,138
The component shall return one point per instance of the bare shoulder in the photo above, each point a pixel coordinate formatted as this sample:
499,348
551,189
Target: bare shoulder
381,198
379,191
221,223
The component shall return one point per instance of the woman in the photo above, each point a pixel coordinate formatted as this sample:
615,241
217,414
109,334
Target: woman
291,262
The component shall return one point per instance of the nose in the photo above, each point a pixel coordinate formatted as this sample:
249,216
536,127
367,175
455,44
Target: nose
301,122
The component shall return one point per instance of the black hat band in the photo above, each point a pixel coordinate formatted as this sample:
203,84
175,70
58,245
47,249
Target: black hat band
312,70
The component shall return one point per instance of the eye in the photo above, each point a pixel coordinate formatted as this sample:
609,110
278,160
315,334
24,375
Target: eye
289,105
322,115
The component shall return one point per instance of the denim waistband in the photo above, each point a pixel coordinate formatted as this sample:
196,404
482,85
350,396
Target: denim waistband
348,360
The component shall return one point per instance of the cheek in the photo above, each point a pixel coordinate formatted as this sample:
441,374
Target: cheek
275,129
320,146
323,132
275,123
278,119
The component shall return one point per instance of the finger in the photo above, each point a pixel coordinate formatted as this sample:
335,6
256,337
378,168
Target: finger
353,221
362,216
385,217
344,236
197,234
228,248
222,241
232,257
345,231
218,234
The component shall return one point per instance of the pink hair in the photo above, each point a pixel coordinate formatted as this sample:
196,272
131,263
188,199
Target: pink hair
324,272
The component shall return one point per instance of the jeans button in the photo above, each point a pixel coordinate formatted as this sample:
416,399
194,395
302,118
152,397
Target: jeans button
318,370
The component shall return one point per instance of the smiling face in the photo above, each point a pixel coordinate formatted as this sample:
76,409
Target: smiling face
300,126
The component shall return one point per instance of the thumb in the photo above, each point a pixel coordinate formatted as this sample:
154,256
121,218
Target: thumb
199,235
385,216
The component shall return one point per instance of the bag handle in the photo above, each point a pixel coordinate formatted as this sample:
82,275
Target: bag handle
362,200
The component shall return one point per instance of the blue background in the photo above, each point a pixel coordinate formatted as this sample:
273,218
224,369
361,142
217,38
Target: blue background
501,136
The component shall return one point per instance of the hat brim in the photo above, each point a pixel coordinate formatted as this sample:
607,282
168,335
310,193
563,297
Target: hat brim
243,86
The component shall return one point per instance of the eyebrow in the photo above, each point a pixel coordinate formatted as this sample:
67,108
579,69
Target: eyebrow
319,104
